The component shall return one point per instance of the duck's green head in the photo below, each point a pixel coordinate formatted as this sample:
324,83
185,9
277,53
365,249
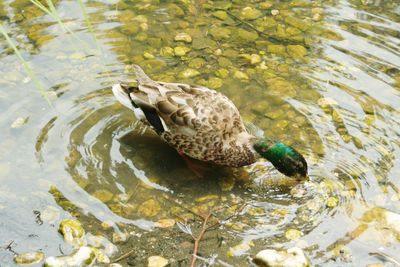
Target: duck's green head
284,158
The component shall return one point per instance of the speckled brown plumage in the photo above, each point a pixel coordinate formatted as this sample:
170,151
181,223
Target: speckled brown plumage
200,122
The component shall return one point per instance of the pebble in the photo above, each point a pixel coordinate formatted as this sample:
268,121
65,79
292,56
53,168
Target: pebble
274,12
103,195
19,122
166,51
181,50
77,56
332,202
250,13
240,75
149,208
157,261
119,237
147,55
240,249
184,37
72,231
293,257
84,256
50,214
29,258
222,73
165,223
189,73
293,234
296,51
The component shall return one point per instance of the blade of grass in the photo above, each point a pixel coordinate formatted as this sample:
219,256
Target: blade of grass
90,27
26,65
52,12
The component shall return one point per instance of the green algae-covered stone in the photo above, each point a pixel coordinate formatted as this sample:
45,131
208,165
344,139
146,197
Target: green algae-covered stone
222,73
166,51
240,75
276,49
184,37
224,62
214,83
296,51
250,13
297,23
197,63
220,33
181,50
72,231
222,15
249,36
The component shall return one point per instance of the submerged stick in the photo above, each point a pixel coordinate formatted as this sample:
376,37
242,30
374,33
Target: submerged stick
124,256
205,228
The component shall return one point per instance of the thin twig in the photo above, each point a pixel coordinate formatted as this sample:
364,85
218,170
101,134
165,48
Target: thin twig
10,248
182,206
124,256
197,240
205,228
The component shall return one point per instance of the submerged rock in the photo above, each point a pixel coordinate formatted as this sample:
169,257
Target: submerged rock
197,63
165,223
240,75
297,51
29,258
50,214
181,50
166,51
240,249
250,13
220,33
119,237
72,231
293,257
222,15
188,73
84,256
184,37
103,195
293,234
247,36
157,261
19,122
222,73
149,208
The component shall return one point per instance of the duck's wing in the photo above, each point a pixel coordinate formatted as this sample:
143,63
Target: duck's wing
180,108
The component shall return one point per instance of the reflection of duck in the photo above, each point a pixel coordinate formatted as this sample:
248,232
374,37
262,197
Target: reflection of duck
203,124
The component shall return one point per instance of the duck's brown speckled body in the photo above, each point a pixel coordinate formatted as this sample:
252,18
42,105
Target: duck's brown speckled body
195,120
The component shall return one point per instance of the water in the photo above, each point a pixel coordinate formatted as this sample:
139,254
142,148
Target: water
327,82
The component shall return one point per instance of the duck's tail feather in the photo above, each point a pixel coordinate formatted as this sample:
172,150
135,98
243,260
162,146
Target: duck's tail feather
142,77
134,99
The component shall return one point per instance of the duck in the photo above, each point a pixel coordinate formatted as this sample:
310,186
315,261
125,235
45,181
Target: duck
203,124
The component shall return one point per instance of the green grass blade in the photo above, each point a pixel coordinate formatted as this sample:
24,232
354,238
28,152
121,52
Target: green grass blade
90,26
26,65
52,12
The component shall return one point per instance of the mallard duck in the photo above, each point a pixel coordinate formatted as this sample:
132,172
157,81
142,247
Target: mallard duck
203,124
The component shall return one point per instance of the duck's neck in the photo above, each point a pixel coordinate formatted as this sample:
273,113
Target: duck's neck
270,149
262,144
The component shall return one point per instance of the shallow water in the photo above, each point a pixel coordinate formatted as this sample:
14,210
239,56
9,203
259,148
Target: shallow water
323,76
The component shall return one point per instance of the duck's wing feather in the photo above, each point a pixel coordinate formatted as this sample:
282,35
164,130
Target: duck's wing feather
182,108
